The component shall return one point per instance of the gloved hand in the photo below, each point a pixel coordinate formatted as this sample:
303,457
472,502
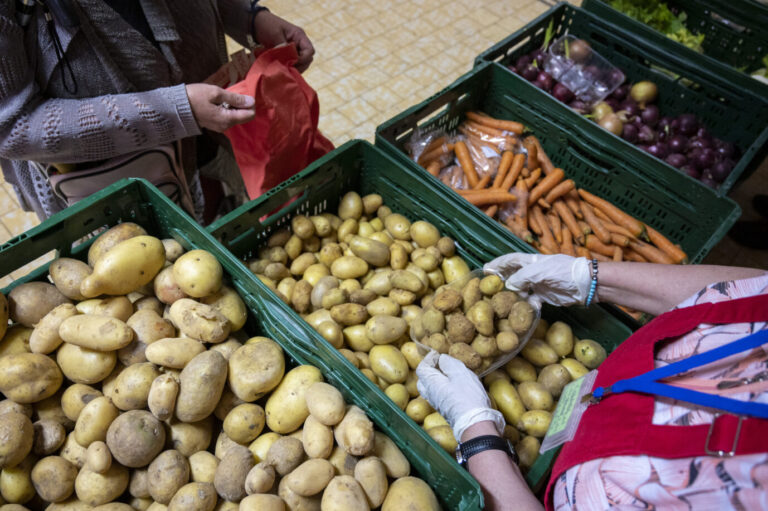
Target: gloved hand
455,392
555,279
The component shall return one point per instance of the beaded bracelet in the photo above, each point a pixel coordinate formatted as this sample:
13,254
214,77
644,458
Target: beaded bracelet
593,285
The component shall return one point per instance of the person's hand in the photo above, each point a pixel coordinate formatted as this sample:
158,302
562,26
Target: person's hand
456,392
555,279
272,30
217,109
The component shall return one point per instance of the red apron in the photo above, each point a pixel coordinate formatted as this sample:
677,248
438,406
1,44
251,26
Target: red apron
621,424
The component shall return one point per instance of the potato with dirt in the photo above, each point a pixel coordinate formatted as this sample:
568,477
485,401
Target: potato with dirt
28,303
135,438
200,386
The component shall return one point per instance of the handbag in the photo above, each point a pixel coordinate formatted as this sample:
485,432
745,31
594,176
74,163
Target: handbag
160,166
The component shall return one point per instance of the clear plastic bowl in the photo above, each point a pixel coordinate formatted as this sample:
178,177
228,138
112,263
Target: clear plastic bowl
500,358
587,74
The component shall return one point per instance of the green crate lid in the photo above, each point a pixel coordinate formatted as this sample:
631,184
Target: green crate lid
363,168
136,200
734,31
724,99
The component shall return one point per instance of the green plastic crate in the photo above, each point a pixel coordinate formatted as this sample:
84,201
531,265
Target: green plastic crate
136,200
735,31
694,217
361,167
724,99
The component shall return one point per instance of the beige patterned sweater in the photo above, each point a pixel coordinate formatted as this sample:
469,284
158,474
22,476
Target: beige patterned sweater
130,93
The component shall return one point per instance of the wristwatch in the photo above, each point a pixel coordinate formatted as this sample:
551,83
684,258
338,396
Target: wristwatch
466,450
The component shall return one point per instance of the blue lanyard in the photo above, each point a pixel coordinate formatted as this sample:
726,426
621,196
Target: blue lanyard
647,383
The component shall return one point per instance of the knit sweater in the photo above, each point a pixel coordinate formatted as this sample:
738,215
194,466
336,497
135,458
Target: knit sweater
130,93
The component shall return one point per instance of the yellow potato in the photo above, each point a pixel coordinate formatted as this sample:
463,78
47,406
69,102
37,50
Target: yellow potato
310,478
380,283
28,303
228,303
200,386
371,251
133,385
507,341
199,321
539,353
67,274
166,288
301,295
507,400
317,438
16,483
389,363
343,462
194,497
148,326
198,273
351,206
371,203
94,421
347,229
174,352
434,420
575,368
54,478
98,457
398,226
260,447
97,489
125,268
166,475
75,397
244,423
286,407
100,333
29,377
528,450
262,502
119,307
45,337
371,474
256,368
135,438
589,353
407,280
344,493
355,432
295,501
349,267
349,314
443,435
325,403
398,394
301,263
521,317
285,454
410,492
202,467
559,336
554,378
398,257
468,356
418,409
535,423
383,329
17,436
73,452
332,333
454,268
520,370
260,479
232,472
535,396
302,227
109,239
424,234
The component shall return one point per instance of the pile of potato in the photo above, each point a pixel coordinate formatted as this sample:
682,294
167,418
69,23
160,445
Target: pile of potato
146,394
476,322
526,389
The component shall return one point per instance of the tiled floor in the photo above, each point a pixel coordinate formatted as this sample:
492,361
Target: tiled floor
376,58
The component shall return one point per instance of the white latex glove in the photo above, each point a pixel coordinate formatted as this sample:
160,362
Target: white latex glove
555,279
455,392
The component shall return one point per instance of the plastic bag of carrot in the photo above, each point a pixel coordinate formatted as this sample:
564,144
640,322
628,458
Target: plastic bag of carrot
534,199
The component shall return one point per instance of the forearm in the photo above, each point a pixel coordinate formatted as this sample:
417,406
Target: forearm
236,17
503,485
657,288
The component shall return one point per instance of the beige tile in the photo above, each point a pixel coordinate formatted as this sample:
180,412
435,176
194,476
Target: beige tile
371,76
316,77
18,221
392,65
347,88
360,10
7,203
358,110
340,19
402,86
382,46
329,101
484,17
420,26
424,75
381,98
338,66
365,131
5,235
334,125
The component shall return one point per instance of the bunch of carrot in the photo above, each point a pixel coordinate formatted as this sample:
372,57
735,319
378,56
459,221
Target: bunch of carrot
564,219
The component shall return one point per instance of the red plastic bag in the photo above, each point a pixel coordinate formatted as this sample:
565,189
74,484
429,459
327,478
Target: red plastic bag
283,138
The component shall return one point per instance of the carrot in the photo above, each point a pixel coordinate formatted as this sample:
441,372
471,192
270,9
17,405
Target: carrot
435,153
566,246
584,226
535,175
512,126
617,254
533,153
635,314
662,243
583,252
556,226
573,201
519,228
486,130
465,161
547,250
631,255
491,211
595,224
618,216
600,257
570,222
595,245
514,171
545,185
434,143
651,253
620,240
486,197
559,190
483,182
434,168
544,204
478,137
544,160
613,228
546,238
506,162
521,206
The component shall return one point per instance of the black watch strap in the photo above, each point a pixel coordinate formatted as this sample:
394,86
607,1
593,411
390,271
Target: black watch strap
466,450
